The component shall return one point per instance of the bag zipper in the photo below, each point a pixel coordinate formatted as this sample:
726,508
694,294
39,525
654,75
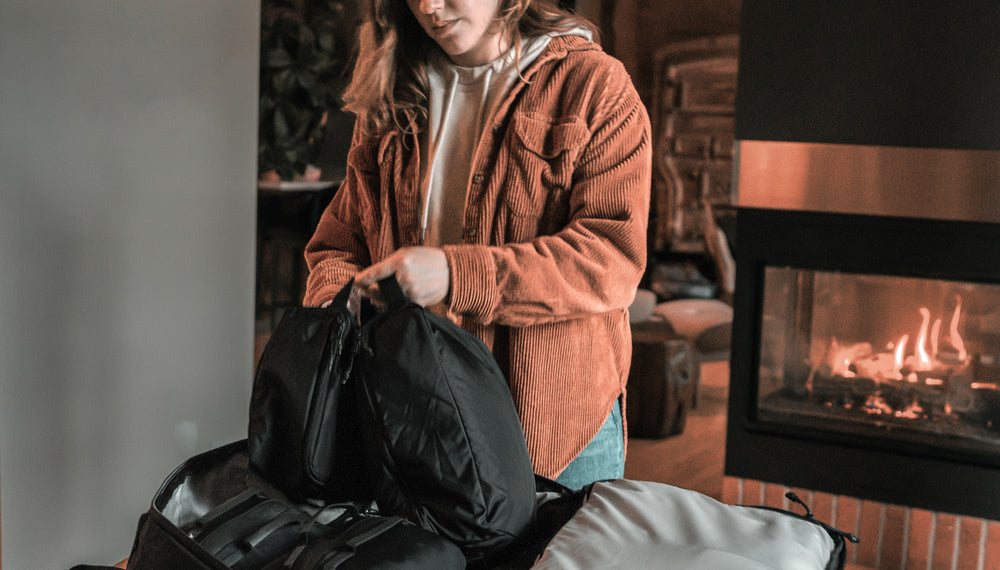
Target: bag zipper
791,496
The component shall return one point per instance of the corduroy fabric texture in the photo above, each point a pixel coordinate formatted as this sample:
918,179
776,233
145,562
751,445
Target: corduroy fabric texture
555,238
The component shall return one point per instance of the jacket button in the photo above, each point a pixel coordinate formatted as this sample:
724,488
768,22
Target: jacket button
478,179
471,233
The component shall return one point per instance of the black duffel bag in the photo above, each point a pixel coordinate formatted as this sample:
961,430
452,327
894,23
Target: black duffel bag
211,513
304,416
451,445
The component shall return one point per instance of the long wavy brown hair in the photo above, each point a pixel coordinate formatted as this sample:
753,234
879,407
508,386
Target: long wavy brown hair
388,87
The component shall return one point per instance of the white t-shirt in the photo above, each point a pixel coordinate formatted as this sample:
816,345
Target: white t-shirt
462,102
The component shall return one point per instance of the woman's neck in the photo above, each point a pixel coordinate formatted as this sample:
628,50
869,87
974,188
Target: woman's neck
493,46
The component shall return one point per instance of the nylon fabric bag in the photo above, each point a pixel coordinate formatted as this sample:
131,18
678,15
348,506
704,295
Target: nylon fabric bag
211,513
377,542
304,414
450,442
625,524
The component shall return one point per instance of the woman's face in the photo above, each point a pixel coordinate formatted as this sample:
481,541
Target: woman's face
465,29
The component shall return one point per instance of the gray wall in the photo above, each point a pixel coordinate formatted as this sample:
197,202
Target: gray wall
127,203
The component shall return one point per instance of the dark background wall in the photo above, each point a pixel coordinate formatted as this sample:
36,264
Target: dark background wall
892,72
633,30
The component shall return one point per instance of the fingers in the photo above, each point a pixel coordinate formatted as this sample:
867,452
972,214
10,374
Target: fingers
366,282
375,273
422,274
354,302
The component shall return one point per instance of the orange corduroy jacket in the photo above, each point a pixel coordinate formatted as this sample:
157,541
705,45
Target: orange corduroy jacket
555,238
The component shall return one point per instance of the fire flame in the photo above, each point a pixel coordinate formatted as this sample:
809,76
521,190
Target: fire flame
900,353
853,359
841,356
953,336
935,334
923,359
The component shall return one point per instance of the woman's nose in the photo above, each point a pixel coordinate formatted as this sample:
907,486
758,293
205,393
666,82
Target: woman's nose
430,6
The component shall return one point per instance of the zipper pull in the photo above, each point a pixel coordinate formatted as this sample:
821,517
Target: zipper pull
791,496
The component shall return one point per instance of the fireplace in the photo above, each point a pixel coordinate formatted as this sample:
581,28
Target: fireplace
866,333
867,176
911,360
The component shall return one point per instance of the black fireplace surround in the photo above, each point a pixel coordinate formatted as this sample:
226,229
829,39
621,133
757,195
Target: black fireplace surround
877,458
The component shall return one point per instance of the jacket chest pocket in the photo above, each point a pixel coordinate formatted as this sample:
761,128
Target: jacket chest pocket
543,155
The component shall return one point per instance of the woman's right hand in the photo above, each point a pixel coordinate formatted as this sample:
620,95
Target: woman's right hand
422,274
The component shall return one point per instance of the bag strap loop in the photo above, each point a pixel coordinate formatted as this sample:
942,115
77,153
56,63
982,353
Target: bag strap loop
392,293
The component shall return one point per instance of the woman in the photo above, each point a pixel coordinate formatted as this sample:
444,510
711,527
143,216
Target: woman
500,169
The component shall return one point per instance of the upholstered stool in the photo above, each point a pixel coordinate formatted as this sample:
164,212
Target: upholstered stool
707,323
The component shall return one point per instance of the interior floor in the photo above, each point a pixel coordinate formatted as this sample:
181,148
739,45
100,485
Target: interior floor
694,458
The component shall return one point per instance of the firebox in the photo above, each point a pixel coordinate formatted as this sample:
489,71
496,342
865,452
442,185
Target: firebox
866,347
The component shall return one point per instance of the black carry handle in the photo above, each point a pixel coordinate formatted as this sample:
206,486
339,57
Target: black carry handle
389,290
392,293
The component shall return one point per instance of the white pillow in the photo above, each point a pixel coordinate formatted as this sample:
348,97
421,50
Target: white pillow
691,317
642,306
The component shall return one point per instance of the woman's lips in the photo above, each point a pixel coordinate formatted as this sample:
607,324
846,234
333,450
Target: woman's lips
443,28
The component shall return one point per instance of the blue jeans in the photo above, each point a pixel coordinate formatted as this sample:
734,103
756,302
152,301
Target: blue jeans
604,456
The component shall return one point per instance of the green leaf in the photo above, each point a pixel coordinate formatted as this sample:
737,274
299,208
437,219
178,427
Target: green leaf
277,58
325,40
281,127
302,63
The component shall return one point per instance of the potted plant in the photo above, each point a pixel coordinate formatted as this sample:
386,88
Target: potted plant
304,50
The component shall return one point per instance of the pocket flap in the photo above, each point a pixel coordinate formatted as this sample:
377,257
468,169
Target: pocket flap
548,137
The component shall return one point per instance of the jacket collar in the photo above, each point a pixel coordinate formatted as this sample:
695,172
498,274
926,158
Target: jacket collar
559,48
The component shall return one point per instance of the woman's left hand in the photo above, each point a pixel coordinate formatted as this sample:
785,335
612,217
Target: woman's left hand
422,273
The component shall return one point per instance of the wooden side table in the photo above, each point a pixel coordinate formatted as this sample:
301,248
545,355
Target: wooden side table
663,380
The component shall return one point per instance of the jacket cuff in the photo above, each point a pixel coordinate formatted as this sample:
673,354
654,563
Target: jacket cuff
474,290
321,288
